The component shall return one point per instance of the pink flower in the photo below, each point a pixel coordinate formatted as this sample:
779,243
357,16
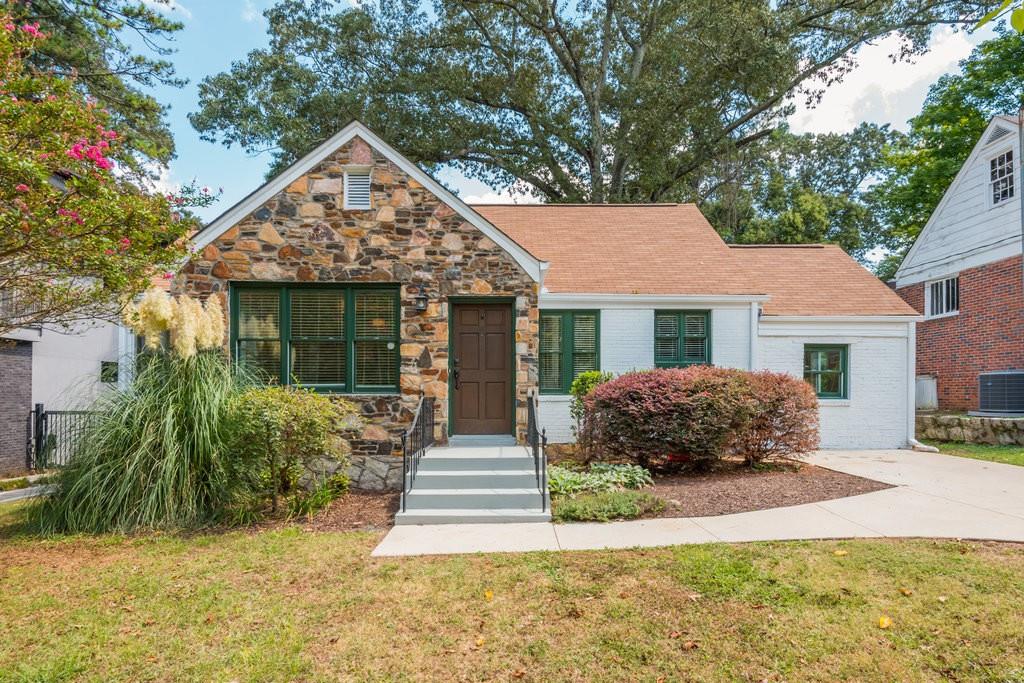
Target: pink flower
32,29
9,26
72,214
21,187
108,252
76,150
125,243
109,134
168,276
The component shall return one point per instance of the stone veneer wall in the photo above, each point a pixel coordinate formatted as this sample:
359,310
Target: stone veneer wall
989,430
410,237
15,404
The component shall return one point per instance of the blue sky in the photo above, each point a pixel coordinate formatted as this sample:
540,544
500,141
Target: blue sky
218,32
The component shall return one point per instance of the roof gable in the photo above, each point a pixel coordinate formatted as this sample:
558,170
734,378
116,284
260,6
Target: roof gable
527,261
965,229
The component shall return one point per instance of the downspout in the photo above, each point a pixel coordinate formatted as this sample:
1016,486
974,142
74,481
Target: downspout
755,310
912,442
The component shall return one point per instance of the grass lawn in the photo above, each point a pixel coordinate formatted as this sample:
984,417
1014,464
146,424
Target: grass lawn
287,605
1011,455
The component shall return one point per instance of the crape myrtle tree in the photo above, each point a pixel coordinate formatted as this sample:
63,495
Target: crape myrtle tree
77,235
585,101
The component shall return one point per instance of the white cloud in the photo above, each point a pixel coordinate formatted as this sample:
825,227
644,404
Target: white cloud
879,91
168,7
502,197
249,12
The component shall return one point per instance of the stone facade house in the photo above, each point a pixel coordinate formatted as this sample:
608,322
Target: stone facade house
964,274
356,273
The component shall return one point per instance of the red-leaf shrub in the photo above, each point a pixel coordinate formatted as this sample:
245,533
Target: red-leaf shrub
675,418
666,417
783,420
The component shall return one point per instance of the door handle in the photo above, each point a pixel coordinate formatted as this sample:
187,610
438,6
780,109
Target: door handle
455,372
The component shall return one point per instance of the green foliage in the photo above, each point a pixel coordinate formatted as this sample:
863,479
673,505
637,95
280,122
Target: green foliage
593,102
599,477
15,484
309,503
920,166
76,235
86,39
155,456
582,385
277,435
606,506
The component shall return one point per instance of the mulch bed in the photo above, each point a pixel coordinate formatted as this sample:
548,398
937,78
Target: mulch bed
356,511
734,487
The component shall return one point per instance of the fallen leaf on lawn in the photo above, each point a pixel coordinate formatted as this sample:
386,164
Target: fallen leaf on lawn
840,553
488,595
209,618
623,595
943,598
694,597
690,645
480,641
674,634
884,622
518,673
906,591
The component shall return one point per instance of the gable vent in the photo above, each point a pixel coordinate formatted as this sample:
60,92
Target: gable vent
998,134
357,189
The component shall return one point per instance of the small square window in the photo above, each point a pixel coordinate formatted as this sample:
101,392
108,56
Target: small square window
108,371
942,297
357,189
826,368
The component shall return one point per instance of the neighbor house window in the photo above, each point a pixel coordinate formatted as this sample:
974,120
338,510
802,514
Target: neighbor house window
569,345
682,338
341,339
1001,177
943,297
357,189
108,371
826,369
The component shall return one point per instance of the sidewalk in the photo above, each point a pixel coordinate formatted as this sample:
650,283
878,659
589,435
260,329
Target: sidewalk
935,496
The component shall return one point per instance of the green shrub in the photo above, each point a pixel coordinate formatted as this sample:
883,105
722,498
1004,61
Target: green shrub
580,388
606,506
155,454
284,436
599,477
308,503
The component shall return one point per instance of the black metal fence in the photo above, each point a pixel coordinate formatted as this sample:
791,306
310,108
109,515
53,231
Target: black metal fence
53,436
537,441
415,441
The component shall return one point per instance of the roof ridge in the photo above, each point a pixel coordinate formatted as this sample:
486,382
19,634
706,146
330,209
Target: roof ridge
816,245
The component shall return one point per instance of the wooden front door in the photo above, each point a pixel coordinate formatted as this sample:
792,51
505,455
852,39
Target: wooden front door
482,368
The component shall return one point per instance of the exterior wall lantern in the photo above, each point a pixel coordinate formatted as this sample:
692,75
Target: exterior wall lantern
421,299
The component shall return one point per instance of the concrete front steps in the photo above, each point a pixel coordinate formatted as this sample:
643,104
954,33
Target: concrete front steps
475,485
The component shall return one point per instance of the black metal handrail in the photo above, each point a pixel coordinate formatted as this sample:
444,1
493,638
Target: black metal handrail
537,439
415,441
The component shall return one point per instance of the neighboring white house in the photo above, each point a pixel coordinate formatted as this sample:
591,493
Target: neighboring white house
964,273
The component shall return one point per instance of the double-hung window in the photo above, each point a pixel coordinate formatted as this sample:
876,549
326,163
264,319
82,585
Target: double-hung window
942,297
1001,177
682,338
342,339
569,345
826,368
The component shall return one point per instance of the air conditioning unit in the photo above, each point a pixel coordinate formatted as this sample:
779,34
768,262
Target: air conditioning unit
1001,392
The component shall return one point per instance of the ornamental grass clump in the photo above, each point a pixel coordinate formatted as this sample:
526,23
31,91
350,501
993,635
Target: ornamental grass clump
155,454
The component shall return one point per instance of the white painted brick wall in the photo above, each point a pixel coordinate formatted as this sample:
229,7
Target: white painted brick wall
627,340
730,337
875,414
553,415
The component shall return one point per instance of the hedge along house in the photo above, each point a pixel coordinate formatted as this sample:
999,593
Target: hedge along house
356,273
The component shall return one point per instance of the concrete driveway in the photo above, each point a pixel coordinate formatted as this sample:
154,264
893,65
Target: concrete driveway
937,496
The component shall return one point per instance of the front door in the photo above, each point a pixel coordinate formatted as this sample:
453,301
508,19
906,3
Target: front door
482,368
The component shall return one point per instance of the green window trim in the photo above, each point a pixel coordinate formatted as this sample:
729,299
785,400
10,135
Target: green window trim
827,370
682,338
330,333
570,343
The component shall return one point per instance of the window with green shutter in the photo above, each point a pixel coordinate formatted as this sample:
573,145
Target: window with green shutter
569,345
342,339
682,338
826,368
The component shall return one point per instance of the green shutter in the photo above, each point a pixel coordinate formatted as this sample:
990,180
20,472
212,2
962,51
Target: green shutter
376,339
584,343
666,338
682,338
551,352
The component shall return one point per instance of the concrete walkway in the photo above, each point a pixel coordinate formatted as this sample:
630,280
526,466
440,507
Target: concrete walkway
937,496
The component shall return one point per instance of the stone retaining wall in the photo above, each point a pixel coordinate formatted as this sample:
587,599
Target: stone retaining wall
987,430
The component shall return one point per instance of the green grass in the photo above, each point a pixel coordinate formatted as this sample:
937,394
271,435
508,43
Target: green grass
289,605
1010,455
14,484
605,506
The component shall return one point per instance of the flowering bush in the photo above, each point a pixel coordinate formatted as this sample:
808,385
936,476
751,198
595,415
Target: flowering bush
78,231
674,418
191,326
783,419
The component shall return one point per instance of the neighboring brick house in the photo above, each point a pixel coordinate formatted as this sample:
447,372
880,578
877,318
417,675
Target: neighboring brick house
15,403
964,273
355,273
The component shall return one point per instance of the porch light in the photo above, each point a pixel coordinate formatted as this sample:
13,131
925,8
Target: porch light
421,300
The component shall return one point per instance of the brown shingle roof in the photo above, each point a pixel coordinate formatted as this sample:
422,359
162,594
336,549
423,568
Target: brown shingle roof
672,249
622,248
818,279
